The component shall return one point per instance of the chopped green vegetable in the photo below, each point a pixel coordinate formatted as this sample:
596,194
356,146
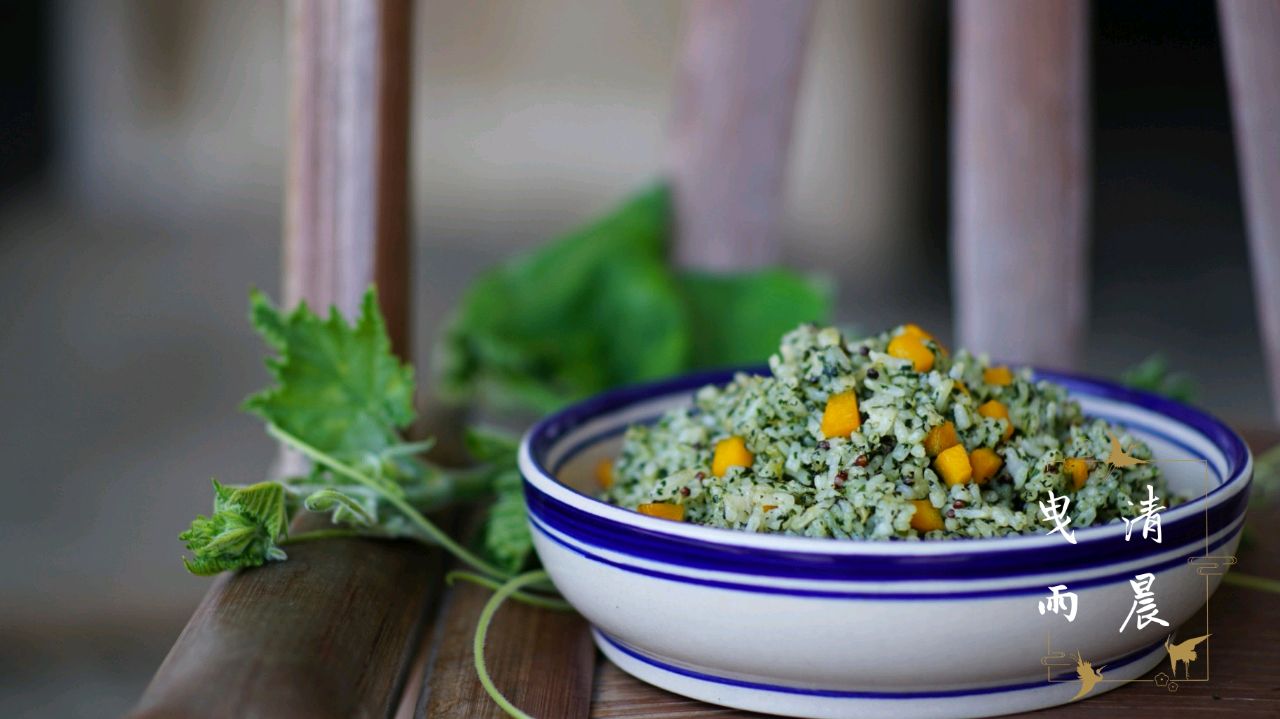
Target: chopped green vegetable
244,530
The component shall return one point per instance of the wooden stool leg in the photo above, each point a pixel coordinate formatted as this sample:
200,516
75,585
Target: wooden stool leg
330,632
1019,175
734,103
1251,44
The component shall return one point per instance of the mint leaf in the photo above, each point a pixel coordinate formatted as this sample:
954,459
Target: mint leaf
243,531
338,386
738,318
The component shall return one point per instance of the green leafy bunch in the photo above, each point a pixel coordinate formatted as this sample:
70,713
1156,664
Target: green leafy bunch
341,398
604,306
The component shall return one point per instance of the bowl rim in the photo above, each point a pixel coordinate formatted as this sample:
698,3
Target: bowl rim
550,431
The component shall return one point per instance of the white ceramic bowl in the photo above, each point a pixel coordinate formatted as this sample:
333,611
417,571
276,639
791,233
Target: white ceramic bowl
830,628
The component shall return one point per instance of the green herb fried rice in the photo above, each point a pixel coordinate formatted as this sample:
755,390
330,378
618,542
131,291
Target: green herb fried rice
874,478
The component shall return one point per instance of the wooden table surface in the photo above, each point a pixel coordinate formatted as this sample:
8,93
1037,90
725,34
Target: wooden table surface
545,662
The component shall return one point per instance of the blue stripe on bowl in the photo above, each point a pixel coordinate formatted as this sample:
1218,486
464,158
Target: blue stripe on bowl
982,564
1037,588
1114,664
984,561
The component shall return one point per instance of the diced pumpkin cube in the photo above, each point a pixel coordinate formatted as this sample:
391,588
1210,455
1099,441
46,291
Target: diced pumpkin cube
1000,376
1077,470
841,417
964,390
914,330
996,410
911,347
604,473
953,465
663,510
927,517
940,438
985,464
731,452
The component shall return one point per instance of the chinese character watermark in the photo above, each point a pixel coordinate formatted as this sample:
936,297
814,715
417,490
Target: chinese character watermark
1150,513
1060,602
1144,603
1055,512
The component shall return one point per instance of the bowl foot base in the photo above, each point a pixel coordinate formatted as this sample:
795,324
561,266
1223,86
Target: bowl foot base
841,704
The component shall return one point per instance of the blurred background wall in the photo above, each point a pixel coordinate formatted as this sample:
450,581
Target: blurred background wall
141,156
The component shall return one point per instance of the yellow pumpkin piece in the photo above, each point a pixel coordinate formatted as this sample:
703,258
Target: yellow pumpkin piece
927,517
911,347
963,389
731,452
914,330
663,510
940,438
953,465
768,507
985,464
841,417
996,410
1077,469
1000,376
604,473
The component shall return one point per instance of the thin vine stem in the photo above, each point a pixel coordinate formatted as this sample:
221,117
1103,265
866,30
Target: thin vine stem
427,526
482,631
533,600
1265,584
318,534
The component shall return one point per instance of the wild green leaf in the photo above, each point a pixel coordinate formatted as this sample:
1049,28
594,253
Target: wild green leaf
589,311
604,307
338,386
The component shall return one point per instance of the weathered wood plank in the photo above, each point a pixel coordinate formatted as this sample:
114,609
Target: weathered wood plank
1020,176
731,128
543,661
324,634
1251,45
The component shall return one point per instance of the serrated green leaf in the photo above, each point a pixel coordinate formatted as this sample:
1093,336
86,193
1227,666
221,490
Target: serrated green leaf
338,386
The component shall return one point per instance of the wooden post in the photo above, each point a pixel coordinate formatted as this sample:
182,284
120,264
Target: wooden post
1251,45
346,205
1019,173
734,104
331,631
